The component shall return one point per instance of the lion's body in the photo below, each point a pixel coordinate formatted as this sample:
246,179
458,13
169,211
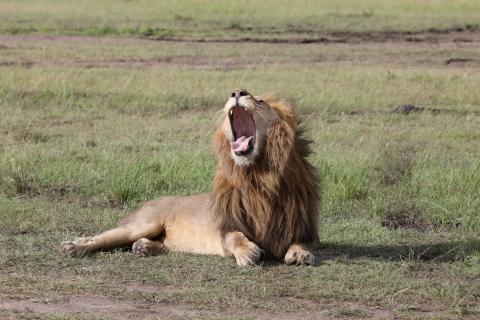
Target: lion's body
263,200
184,223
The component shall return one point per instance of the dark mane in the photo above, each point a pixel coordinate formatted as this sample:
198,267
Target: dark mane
274,202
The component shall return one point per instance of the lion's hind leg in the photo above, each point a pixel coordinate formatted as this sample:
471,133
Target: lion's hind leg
121,236
146,247
146,222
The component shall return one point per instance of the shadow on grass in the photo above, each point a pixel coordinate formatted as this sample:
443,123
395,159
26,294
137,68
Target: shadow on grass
441,251
433,252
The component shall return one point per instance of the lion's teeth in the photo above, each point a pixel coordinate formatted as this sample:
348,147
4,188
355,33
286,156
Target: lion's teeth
231,112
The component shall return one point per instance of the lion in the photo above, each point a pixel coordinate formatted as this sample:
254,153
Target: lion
264,202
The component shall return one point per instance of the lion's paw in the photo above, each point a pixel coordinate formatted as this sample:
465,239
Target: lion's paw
70,248
299,256
77,247
248,254
145,247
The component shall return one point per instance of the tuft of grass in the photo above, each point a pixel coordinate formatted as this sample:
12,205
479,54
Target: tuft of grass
396,164
19,183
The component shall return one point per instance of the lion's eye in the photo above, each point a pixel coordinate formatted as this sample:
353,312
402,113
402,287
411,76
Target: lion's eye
242,93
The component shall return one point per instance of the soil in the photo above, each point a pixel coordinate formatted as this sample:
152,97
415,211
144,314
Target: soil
432,36
97,306
365,48
92,306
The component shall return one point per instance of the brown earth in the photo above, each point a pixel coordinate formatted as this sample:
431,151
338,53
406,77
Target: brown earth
93,306
394,49
432,36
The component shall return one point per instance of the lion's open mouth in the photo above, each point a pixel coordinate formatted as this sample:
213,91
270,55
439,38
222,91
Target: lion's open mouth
243,130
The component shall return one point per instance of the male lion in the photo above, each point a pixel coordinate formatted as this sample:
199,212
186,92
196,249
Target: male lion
264,198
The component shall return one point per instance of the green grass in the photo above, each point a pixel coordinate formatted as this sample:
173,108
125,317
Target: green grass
304,18
92,127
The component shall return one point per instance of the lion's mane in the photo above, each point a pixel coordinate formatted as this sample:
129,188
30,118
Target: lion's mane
274,201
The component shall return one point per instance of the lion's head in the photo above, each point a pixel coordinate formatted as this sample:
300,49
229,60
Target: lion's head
264,185
246,125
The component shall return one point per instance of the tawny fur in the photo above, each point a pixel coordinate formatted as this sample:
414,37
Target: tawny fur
274,202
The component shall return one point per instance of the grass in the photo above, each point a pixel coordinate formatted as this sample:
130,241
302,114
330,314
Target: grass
226,19
92,127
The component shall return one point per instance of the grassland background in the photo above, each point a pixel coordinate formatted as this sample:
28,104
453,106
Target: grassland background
96,119
233,18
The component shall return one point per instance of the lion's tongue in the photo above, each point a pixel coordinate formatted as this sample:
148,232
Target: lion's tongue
241,145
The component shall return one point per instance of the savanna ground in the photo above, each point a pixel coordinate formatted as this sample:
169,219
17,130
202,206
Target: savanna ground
106,104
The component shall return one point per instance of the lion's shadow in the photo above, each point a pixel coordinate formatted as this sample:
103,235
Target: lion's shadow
439,251
427,252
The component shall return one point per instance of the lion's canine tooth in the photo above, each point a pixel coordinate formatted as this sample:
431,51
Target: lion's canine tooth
231,112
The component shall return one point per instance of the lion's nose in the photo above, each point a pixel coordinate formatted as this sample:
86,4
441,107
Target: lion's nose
238,93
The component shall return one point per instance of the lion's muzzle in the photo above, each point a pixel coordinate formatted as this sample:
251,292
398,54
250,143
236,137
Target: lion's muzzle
243,130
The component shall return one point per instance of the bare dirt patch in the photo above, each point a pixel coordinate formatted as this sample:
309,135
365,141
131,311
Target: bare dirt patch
459,35
430,36
405,218
451,49
177,61
462,61
99,306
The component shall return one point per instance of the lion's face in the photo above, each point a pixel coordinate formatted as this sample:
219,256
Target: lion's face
247,120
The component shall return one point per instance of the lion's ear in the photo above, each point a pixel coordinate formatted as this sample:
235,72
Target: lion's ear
280,142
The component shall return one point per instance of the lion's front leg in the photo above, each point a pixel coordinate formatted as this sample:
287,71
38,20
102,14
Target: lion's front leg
299,254
245,251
